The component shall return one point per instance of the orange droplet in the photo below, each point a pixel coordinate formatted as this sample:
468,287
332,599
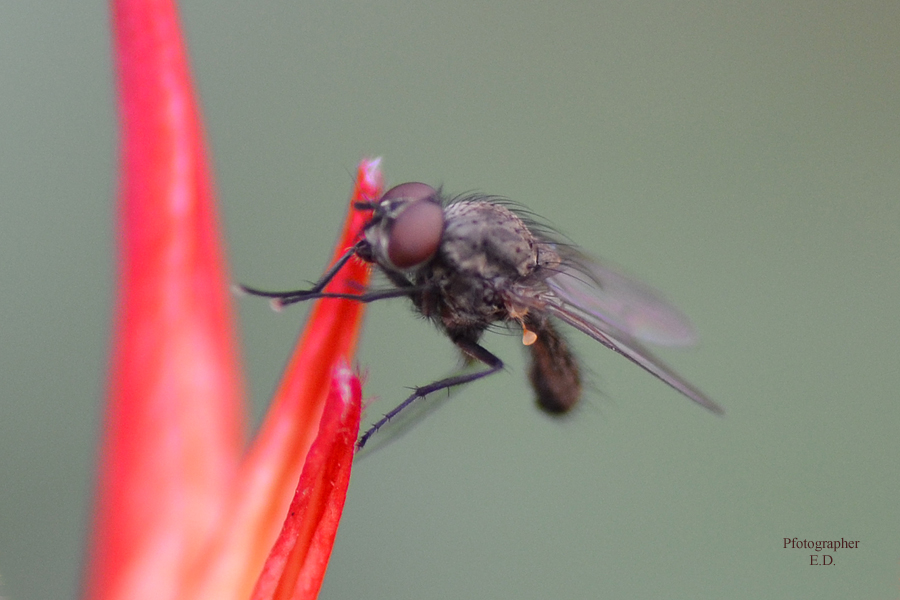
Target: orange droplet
528,337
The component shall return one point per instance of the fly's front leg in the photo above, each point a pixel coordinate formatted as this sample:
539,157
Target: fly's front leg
361,249
299,295
280,299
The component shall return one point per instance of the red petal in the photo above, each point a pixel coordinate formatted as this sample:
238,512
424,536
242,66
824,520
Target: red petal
173,423
297,564
271,470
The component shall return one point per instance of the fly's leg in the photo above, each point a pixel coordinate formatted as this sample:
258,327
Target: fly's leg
471,349
315,291
365,298
281,299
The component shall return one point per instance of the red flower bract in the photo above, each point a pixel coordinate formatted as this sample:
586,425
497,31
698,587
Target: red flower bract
181,511
297,563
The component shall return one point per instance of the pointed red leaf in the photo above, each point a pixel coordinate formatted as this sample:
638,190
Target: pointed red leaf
296,566
174,415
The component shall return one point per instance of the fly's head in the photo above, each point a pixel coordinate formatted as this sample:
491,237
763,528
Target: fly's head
406,228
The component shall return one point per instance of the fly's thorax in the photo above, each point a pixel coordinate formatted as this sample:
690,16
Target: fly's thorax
406,227
488,240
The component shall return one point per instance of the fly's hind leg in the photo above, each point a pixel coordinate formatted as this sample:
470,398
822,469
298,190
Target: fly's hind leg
471,349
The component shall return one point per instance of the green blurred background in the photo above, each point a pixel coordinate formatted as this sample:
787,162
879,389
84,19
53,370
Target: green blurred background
743,157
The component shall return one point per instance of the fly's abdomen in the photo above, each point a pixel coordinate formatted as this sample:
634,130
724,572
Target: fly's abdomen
555,374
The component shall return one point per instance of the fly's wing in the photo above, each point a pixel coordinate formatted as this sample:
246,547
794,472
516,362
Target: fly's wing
617,304
632,350
618,312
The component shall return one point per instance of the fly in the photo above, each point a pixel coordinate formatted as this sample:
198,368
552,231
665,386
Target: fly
474,261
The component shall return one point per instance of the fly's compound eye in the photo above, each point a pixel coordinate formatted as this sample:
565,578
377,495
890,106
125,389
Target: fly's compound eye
410,191
416,230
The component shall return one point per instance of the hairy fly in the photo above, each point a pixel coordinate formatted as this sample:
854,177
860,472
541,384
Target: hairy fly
474,261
